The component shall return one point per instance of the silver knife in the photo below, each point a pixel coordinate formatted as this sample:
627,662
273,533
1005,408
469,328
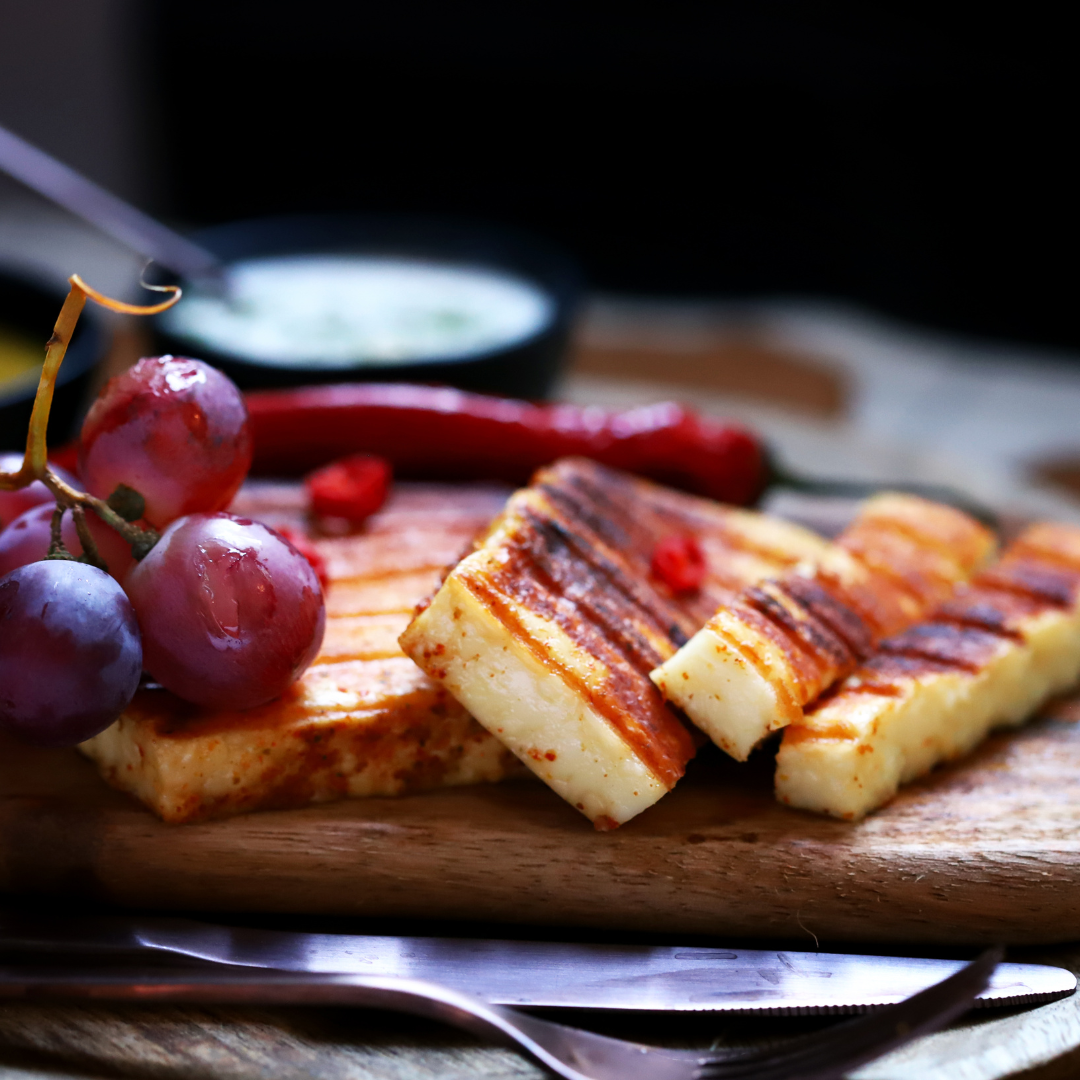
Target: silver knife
542,974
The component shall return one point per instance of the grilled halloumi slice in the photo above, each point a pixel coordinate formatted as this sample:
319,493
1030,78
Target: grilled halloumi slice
547,632
763,657
363,720
987,658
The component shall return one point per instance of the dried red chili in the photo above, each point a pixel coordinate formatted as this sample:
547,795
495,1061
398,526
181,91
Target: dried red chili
679,563
352,488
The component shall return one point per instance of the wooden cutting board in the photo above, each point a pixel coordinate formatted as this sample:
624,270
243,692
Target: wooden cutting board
986,850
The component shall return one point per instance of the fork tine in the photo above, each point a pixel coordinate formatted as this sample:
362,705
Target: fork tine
829,1055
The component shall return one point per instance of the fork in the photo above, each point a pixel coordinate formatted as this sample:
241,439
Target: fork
568,1052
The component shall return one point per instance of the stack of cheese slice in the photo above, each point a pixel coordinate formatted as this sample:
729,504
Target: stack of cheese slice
987,658
549,630
761,659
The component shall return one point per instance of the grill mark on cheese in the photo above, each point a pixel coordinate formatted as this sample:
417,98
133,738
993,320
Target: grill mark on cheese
910,567
626,698
815,624
1055,585
542,555
610,507
805,667
987,657
883,674
774,600
610,525
1048,543
561,604
631,523
938,535
750,651
989,608
965,647
610,585
841,618
881,605
967,630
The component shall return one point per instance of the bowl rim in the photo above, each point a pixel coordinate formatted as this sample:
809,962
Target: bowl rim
528,258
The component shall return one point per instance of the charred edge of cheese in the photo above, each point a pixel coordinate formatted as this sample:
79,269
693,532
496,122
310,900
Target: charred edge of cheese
897,718
528,706
329,755
758,661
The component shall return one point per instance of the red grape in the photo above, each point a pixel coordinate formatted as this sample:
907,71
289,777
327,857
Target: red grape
27,539
176,430
70,658
14,503
231,614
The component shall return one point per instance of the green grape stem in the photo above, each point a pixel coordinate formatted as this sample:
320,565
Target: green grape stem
35,464
57,547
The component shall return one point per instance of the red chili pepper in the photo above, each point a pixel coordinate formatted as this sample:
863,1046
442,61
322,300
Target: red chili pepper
679,563
308,550
443,433
352,488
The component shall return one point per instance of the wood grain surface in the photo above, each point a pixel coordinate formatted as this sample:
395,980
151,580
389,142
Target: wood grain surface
984,850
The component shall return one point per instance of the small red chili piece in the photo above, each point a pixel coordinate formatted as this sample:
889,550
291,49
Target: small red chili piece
679,563
352,488
308,550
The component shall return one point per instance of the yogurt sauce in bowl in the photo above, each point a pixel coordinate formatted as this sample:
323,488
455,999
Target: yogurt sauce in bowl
349,310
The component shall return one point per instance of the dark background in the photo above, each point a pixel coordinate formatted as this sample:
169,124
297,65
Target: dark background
919,165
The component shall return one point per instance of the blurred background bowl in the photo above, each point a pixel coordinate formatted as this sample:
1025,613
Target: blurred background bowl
525,365
28,309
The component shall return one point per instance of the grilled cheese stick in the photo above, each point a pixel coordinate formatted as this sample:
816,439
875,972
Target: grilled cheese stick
548,631
761,659
988,658
363,720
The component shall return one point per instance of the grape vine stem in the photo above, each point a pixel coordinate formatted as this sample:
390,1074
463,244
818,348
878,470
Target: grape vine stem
35,464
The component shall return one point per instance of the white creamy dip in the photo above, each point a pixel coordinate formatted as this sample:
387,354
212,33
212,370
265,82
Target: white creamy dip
345,310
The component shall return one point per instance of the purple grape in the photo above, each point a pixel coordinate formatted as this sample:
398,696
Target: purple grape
70,655
27,540
231,613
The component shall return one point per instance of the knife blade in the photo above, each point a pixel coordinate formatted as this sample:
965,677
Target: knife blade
545,974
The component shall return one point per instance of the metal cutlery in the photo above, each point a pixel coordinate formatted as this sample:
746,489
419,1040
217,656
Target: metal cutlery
539,974
569,1052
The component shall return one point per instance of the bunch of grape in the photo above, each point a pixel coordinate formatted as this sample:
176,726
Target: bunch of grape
222,611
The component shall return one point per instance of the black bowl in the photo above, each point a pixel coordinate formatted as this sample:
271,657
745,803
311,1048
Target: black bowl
30,305
525,368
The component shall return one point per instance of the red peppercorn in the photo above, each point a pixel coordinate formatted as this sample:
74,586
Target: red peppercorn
352,488
679,563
